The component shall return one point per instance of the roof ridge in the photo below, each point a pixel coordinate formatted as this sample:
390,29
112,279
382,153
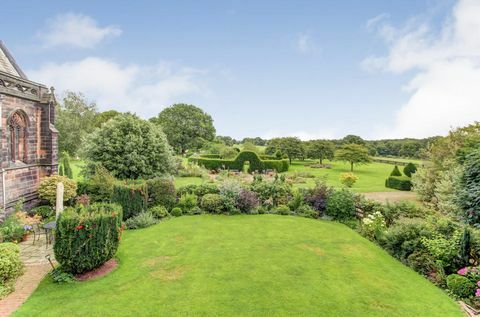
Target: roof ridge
12,60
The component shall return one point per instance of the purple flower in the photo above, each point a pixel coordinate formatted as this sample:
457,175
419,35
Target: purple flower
27,227
463,271
477,293
478,283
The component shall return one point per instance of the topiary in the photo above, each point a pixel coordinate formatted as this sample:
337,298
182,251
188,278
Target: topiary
341,205
48,188
212,203
460,286
176,212
396,172
409,169
131,197
283,210
159,211
87,237
399,182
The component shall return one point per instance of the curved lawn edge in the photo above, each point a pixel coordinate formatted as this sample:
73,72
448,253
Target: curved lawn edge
247,265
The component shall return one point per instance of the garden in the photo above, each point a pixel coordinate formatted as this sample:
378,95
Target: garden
195,224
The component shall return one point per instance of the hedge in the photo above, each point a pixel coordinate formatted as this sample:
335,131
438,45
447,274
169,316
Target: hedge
87,237
211,156
132,198
11,266
399,182
256,164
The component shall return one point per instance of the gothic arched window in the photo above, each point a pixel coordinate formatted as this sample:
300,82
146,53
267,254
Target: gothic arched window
17,125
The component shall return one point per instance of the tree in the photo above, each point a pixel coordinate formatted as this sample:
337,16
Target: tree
291,146
130,148
353,139
320,149
75,119
186,126
249,146
102,117
468,192
229,141
353,154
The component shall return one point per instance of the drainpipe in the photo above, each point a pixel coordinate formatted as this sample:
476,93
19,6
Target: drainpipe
4,191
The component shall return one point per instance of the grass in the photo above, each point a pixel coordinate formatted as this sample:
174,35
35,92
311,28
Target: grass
399,159
371,177
262,265
76,166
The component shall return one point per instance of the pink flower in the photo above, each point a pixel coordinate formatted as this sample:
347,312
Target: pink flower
463,271
477,293
478,283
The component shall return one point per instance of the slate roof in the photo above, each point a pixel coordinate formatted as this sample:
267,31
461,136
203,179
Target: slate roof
8,64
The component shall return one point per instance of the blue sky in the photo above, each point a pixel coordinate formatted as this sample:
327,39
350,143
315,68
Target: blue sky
314,69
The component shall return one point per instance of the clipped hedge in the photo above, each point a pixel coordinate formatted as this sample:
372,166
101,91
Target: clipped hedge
132,198
256,164
399,182
87,237
211,156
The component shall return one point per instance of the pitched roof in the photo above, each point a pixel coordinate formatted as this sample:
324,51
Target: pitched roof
8,64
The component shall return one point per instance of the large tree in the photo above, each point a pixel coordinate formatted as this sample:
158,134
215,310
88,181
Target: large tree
355,154
102,117
130,148
75,119
291,146
187,127
353,139
320,149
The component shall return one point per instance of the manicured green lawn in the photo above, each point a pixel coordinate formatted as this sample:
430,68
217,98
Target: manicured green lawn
262,265
182,181
405,160
371,177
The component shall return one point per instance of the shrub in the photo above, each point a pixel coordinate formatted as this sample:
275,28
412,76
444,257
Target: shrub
142,220
131,197
11,266
396,172
192,170
187,202
206,188
469,189
48,188
11,230
273,193
247,201
283,210
373,226
348,179
402,240
101,184
65,164
176,212
297,200
159,212
87,237
306,211
161,191
45,212
83,199
409,169
317,197
212,203
460,286
341,205
230,190
399,182
187,189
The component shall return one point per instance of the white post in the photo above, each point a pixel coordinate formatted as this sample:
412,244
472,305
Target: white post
59,203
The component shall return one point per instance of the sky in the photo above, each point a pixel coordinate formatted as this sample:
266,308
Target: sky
311,69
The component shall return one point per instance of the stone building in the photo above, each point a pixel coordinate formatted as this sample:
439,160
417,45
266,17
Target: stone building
28,138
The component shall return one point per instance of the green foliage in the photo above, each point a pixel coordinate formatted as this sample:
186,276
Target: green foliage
186,126
161,191
353,139
65,164
306,211
320,149
273,193
396,172
212,203
460,286
409,169
341,205
61,171
399,182
48,188
247,201
87,237
45,212
11,230
142,220
283,210
101,185
424,183
187,202
131,197
59,276
355,154
192,170
176,212
206,188
159,211
469,189
130,148
11,266
75,119
348,179
298,199
256,164
445,192
402,240
293,147
250,147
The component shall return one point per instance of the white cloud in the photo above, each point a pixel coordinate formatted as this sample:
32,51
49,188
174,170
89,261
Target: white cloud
304,43
444,90
371,23
141,89
75,30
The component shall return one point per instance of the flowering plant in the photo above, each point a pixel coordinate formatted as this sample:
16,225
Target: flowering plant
373,225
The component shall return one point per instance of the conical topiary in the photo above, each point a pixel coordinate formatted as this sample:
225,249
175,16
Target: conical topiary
409,169
396,172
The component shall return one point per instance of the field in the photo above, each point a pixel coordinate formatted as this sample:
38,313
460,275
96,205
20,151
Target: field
264,265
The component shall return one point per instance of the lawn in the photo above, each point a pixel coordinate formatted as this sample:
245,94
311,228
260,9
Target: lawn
264,265
371,177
